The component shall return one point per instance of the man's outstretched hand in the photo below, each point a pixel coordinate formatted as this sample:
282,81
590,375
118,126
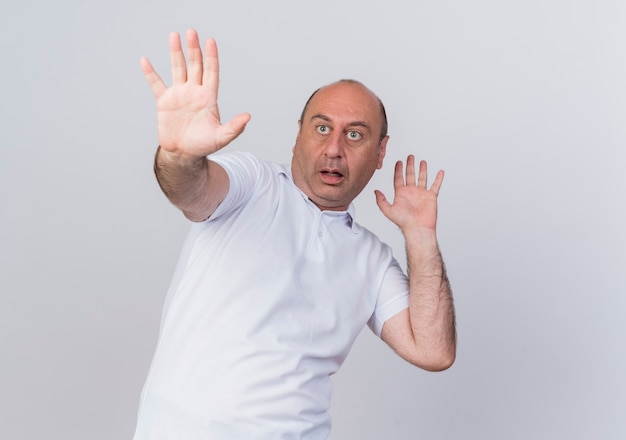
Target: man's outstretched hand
187,112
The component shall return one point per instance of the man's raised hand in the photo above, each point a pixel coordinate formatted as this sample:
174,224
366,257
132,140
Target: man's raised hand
414,205
187,112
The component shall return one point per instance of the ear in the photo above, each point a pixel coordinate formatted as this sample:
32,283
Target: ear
297,135
382,150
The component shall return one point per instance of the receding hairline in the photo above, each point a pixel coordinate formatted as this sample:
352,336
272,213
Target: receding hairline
383,113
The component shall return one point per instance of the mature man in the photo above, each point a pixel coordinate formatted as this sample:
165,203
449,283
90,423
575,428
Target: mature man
276,278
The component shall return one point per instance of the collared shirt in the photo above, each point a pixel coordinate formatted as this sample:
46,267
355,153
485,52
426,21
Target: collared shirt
268,297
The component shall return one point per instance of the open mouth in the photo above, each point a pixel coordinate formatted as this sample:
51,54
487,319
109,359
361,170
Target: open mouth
332,173
331,177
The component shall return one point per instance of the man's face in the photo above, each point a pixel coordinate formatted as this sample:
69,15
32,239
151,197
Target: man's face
338,146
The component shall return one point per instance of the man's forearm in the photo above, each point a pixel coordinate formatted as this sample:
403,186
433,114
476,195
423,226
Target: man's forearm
185,182
431,306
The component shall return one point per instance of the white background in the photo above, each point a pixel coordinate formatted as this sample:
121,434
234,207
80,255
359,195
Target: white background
523,103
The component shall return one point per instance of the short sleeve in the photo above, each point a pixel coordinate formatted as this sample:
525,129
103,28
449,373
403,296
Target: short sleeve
243,170
392,299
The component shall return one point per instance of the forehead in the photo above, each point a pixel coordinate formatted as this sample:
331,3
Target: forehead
345,102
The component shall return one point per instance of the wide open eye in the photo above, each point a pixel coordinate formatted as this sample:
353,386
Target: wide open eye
354,135
323,129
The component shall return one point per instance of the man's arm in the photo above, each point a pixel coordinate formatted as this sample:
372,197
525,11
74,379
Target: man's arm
425,333
189,128
195,185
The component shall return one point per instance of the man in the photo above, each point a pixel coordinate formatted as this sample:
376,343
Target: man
276,279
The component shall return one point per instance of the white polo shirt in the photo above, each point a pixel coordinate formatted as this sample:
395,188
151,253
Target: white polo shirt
268,297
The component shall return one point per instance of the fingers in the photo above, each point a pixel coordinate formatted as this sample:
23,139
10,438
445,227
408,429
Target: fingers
410,170
194,71
398,178
177,59
154,80
198,70
211,73
422,176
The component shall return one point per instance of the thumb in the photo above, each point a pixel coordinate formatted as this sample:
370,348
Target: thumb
382,202
234,127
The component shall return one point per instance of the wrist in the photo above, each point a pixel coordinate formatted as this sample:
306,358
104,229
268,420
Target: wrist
420,235
183,160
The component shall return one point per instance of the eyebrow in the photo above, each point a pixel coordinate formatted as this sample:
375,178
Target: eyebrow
351,124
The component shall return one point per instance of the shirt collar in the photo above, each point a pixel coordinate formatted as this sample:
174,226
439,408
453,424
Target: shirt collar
349,213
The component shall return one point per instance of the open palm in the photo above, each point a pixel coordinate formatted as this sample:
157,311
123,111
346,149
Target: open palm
414,205
187,112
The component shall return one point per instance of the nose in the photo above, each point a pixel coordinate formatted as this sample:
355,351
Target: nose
334,145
